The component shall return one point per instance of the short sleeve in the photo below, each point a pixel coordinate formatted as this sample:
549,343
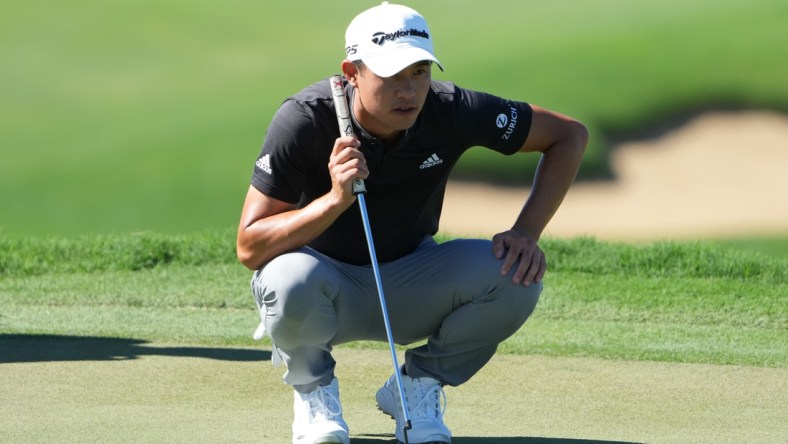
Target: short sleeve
281,168
493,122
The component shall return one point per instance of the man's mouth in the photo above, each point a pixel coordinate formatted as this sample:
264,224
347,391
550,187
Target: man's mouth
405,109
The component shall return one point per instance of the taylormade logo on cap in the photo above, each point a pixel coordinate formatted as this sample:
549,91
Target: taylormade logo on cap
381,37
389,38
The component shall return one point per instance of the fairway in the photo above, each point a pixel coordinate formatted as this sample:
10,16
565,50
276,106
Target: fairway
60,389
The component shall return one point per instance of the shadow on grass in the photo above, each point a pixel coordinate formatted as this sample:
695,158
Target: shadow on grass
47,348
379,439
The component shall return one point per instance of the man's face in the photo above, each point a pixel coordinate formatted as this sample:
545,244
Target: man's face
385,106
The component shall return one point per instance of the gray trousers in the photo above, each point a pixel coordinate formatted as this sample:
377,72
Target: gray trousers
451,294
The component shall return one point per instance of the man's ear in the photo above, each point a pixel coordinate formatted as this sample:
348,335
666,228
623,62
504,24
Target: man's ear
350,70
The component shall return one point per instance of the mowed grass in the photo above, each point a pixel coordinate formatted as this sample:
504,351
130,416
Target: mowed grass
147,338
674,302
148,116
93,390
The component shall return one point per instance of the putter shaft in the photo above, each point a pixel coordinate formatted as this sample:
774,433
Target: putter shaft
359,189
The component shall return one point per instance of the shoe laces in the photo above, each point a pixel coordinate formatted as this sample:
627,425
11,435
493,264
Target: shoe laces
322,405
432,404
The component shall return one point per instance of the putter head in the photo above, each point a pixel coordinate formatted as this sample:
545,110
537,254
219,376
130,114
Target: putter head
405,429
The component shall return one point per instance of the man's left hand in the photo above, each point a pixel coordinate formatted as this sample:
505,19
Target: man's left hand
517,248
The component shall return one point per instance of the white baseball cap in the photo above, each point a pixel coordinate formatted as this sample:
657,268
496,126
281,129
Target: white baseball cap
389,38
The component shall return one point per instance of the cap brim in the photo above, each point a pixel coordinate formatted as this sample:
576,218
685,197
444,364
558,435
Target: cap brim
389,64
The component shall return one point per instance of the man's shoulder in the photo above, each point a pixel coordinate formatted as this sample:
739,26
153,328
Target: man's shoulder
444,90
309,106
446,93
315,98
318,92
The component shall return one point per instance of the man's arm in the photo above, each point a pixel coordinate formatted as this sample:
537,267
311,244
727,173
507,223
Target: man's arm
270,227
562,142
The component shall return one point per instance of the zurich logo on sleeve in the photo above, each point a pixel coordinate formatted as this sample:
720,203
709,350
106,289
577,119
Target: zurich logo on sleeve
507,122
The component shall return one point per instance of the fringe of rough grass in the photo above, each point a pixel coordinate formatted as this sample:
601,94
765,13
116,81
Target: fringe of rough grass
663,259
26,255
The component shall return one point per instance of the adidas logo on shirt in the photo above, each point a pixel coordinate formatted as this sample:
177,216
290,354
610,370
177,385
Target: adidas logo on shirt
264,163
431,161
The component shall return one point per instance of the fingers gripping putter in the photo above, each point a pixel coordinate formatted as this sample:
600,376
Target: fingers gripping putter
346,129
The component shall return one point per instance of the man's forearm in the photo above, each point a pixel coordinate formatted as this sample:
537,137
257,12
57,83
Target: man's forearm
555,173
269,237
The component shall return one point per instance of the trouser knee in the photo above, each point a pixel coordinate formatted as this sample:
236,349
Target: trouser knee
516,303
511,303
295,297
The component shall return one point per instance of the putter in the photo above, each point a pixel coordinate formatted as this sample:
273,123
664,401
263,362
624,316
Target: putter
346,129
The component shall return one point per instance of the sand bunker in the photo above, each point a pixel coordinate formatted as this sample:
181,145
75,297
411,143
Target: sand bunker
720,175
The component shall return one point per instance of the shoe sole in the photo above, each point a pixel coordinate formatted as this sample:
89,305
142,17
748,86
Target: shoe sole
325,440
331,440
426,442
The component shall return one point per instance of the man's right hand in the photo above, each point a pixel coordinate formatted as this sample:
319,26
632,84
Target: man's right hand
269,227
346,163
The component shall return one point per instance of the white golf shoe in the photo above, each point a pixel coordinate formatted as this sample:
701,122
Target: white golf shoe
318,417
426,403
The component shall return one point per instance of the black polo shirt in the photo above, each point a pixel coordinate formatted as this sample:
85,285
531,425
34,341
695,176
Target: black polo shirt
406,184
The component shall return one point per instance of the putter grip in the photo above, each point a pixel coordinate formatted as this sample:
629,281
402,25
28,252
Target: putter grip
345,124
